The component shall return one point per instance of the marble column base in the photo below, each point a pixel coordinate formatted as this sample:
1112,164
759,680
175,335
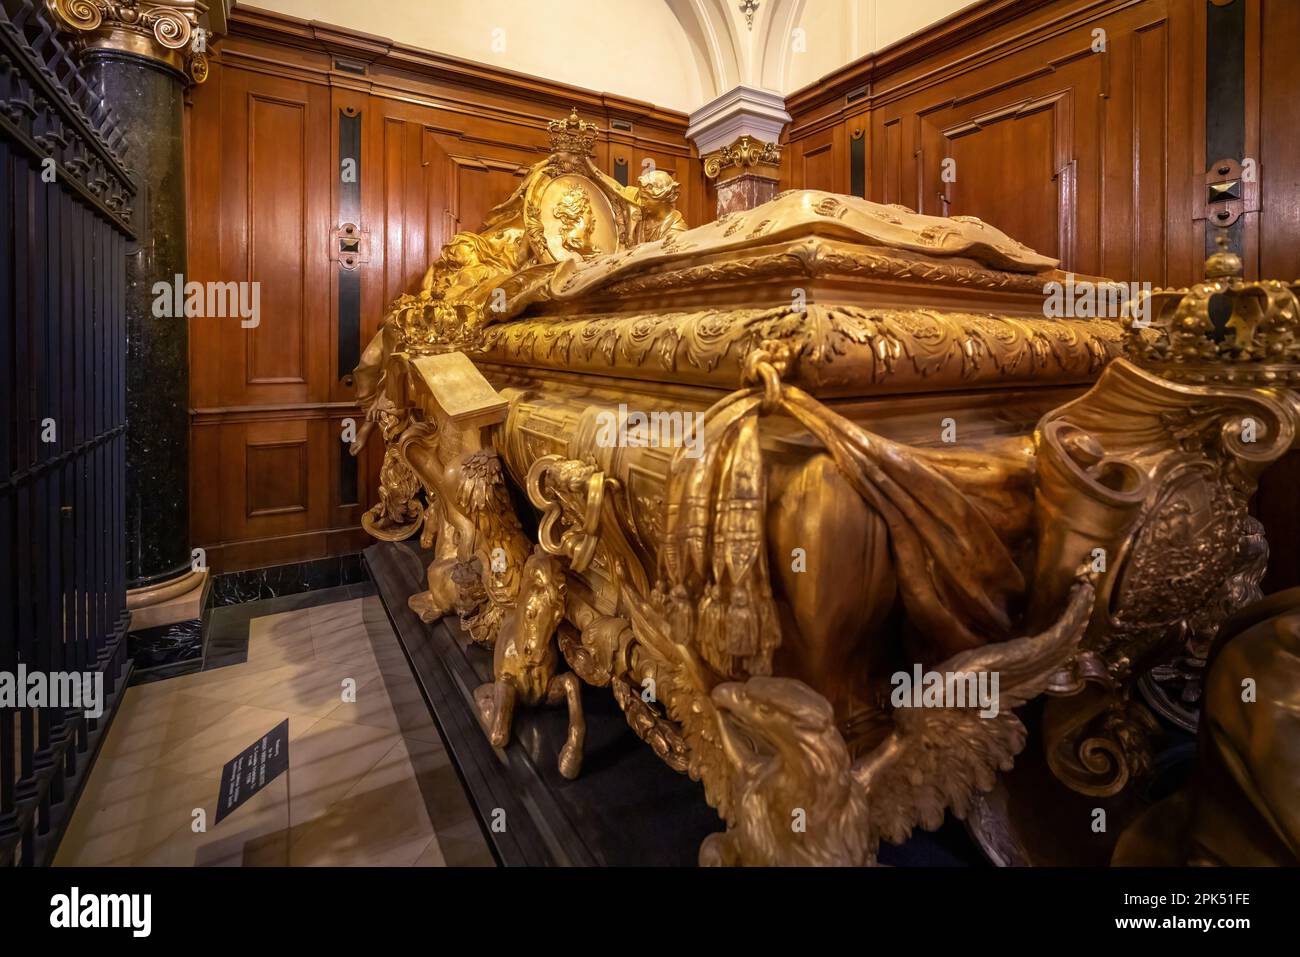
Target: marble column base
167,638
181,600
744,192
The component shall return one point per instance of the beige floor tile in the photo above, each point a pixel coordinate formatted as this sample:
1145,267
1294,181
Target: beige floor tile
372,609
284,626
461,842
244,683
390,701
381,821
388,653
254,834
190,683
312,690
358,629
408,760
329,761
369,782
209,750
285,638
463,845
146,728
432,856
338,611
388,650
127,811
343,641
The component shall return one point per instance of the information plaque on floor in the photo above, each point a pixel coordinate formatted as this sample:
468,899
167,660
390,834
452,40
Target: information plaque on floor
253,769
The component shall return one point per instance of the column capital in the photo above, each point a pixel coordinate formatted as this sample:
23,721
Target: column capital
745,155
742,111
737,135
175,33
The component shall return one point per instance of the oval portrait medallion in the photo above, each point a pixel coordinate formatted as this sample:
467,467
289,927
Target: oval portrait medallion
576,218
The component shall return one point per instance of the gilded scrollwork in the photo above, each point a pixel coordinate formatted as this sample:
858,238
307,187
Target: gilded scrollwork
1150,478
835,345
744,154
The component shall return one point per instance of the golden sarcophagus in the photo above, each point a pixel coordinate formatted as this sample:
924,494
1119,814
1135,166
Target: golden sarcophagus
823,491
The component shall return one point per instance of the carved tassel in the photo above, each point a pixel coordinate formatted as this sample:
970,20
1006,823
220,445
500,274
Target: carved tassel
740,561
709,634
742,625
681,613
740,504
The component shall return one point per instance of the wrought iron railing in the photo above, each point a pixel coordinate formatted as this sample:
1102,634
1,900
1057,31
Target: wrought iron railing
65,221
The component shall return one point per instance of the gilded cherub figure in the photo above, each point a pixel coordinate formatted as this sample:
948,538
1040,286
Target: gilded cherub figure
657,196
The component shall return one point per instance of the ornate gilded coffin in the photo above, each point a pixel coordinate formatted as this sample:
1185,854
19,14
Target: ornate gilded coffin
820,491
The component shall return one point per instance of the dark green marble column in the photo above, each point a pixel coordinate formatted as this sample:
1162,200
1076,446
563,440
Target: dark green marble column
148,97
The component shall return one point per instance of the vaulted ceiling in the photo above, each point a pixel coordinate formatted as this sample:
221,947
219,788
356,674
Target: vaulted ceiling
674,53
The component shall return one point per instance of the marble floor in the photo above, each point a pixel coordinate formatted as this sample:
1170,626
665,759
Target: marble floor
369,781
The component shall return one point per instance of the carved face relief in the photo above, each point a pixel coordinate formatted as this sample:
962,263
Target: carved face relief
575,216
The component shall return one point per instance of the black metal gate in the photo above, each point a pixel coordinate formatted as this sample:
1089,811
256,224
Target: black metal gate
65,206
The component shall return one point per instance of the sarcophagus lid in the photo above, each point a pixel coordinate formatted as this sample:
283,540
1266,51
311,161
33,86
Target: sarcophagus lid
874,299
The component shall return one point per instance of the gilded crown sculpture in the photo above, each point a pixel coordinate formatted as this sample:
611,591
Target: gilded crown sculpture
1224,329
572,135
903,468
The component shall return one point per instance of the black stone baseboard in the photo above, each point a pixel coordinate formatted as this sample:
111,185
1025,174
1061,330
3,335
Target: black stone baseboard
167,650
277,581
171,650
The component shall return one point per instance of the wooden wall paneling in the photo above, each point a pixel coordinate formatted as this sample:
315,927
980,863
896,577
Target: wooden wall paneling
1252,56
407,202
442,142
1185,159
261,503
275,222
204,161
478,186
1085,154
1142,210
822,161
1018,156
207,488
275,475
1028,144
886,142
1273,136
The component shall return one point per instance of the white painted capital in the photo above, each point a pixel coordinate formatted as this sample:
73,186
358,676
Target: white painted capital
742,111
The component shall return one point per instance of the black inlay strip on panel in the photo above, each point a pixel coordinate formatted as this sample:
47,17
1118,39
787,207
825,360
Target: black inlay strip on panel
620,170
858,165
349,320
347,474
349,332
1225,97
